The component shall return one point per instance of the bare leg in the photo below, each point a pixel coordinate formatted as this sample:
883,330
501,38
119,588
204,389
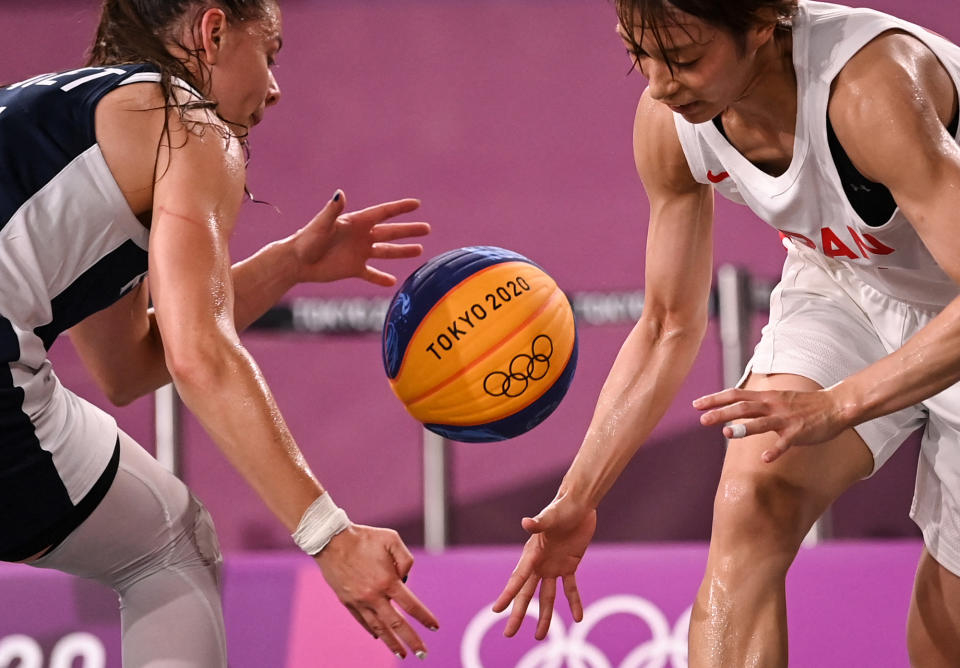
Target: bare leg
933,627
761,514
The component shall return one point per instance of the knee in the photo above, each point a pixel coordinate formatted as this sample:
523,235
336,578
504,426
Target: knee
761,511
205,546
189,545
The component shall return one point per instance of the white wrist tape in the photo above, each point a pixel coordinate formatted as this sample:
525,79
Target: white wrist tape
320,522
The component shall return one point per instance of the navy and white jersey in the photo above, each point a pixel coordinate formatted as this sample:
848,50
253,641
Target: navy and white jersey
817,202
69,246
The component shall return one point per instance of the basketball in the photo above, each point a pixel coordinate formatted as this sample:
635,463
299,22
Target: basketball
480,344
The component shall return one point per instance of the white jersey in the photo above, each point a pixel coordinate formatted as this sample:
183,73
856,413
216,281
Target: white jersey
811,203
69,246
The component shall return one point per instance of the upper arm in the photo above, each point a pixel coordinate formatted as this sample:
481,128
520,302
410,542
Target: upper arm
889,107
198,192
679,257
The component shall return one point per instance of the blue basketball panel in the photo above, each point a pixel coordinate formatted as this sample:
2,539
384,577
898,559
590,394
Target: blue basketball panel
520,422
425,287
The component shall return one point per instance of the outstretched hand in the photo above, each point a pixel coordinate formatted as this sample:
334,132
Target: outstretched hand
561,533
797,417
337,245
367,568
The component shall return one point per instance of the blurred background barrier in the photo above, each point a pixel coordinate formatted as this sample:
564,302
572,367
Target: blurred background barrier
847,606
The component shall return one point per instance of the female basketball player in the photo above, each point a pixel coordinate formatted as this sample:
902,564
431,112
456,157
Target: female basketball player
141,150
838,127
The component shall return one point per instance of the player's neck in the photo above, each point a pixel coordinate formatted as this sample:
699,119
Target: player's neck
770,93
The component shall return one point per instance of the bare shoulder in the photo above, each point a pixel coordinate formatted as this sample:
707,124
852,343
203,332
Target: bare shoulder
129,122
894,88
142,138
660,160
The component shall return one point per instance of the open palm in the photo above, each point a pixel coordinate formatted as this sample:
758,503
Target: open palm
559,538
337,245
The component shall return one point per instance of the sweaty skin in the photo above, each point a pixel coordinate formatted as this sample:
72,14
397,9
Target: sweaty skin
764,506
189,193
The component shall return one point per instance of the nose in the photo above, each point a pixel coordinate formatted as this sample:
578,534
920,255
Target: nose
273,92
662,83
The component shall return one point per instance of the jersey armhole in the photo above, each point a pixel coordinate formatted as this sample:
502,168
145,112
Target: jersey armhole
692,151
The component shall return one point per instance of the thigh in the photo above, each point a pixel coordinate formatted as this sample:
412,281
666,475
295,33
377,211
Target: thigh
813,476
826,325
936,501
147,518
934,621
153,542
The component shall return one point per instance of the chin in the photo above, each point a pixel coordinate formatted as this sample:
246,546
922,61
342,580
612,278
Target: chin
701,113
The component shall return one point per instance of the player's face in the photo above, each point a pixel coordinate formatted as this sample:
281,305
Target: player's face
242,81
697,71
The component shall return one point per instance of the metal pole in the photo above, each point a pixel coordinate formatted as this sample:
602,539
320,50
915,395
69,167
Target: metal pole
435,492
166,403
734,310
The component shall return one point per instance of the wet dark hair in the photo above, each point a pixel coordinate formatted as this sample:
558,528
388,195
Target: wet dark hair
139,31
735,17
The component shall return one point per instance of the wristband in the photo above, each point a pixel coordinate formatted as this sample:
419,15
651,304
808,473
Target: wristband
321,521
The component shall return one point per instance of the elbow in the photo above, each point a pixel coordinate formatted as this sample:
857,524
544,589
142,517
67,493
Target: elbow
121,391
121,397
672,328
200,368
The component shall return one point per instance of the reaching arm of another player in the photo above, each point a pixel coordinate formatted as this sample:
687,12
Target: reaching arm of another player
195,206
645,377
889,108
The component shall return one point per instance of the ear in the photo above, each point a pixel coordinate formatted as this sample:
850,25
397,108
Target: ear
762,30
213,29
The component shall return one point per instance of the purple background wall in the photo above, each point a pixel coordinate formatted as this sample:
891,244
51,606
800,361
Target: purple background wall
281,613
511,120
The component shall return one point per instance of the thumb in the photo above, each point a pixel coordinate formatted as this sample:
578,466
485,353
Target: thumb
337,202
323,221
328,214
538,524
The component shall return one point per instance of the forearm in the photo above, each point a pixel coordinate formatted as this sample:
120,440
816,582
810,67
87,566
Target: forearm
261,280
229,396
926,364
645,378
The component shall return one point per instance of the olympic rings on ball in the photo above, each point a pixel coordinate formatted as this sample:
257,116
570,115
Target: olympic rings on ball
480,344
523,369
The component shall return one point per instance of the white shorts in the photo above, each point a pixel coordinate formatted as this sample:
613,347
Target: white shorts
826,324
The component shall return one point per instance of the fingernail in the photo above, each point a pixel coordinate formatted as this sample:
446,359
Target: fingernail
404,579
336,196
399,655
433,628
421,655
